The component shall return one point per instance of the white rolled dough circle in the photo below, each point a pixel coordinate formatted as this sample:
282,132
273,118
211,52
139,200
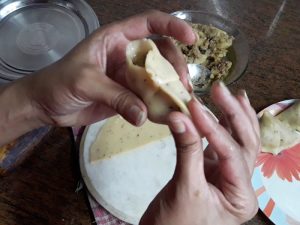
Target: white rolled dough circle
127,183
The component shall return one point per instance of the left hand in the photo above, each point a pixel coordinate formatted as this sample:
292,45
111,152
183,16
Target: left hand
88,84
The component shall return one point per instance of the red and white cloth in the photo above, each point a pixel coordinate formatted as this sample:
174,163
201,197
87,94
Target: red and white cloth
102,216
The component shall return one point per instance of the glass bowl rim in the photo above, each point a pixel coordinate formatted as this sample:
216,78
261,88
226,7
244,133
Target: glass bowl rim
231,24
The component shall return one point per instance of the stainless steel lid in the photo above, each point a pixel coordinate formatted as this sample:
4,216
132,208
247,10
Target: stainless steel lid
36,33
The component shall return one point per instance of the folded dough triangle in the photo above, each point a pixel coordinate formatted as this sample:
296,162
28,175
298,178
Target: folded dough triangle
276,135
151,77
291,116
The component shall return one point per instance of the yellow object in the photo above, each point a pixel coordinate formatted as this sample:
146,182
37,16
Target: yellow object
291,116
276,134
118,136
153,78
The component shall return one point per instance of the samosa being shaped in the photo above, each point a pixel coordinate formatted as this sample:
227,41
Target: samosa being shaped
153,79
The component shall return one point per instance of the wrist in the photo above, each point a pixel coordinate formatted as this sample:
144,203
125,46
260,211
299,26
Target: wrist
18,115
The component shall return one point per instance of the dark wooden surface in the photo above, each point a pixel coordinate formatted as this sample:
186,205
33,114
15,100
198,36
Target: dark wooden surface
20,149
42,189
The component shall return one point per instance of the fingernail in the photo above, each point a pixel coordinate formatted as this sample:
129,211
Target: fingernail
136,115
199,103
196,98
206,111
191,87
242,92
223,87
177,126
196,36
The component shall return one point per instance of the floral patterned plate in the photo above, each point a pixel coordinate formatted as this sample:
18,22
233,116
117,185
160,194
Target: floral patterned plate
276,179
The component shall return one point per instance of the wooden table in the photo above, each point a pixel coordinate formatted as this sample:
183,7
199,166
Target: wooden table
42,189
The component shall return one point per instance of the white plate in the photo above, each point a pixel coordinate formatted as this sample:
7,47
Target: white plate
276,180
127,183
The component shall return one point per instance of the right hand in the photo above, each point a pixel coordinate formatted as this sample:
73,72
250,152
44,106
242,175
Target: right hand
213,190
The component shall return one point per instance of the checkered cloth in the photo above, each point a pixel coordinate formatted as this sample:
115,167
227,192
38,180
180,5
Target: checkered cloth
102,216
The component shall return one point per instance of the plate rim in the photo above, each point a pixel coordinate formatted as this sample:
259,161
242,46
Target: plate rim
256,177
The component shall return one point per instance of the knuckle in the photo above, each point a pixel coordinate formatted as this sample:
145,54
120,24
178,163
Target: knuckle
83,75
254,210
169,25
120,101
250,211
232,116
188,146
211,132
248,207
81,82
256,143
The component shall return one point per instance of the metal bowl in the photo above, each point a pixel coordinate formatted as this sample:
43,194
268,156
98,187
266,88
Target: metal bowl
238,54
36,33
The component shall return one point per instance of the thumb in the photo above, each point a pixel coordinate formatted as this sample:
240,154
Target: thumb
189,167
120,99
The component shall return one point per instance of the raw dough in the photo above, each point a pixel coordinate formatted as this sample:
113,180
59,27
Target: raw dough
118,136
126,183
155,80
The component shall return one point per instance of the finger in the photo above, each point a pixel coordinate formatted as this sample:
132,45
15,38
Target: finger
238,119
209,153
245,103
189,166
93,113
156,22
211,170
227,150
248,109
174,56
216,135
249,153
225,123
102,89
234,174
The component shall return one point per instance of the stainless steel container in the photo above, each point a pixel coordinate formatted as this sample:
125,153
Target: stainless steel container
36,33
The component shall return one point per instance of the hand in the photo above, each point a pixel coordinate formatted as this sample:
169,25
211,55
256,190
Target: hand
215,189
89,84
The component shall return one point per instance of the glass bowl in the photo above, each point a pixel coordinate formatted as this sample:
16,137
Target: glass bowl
238,53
